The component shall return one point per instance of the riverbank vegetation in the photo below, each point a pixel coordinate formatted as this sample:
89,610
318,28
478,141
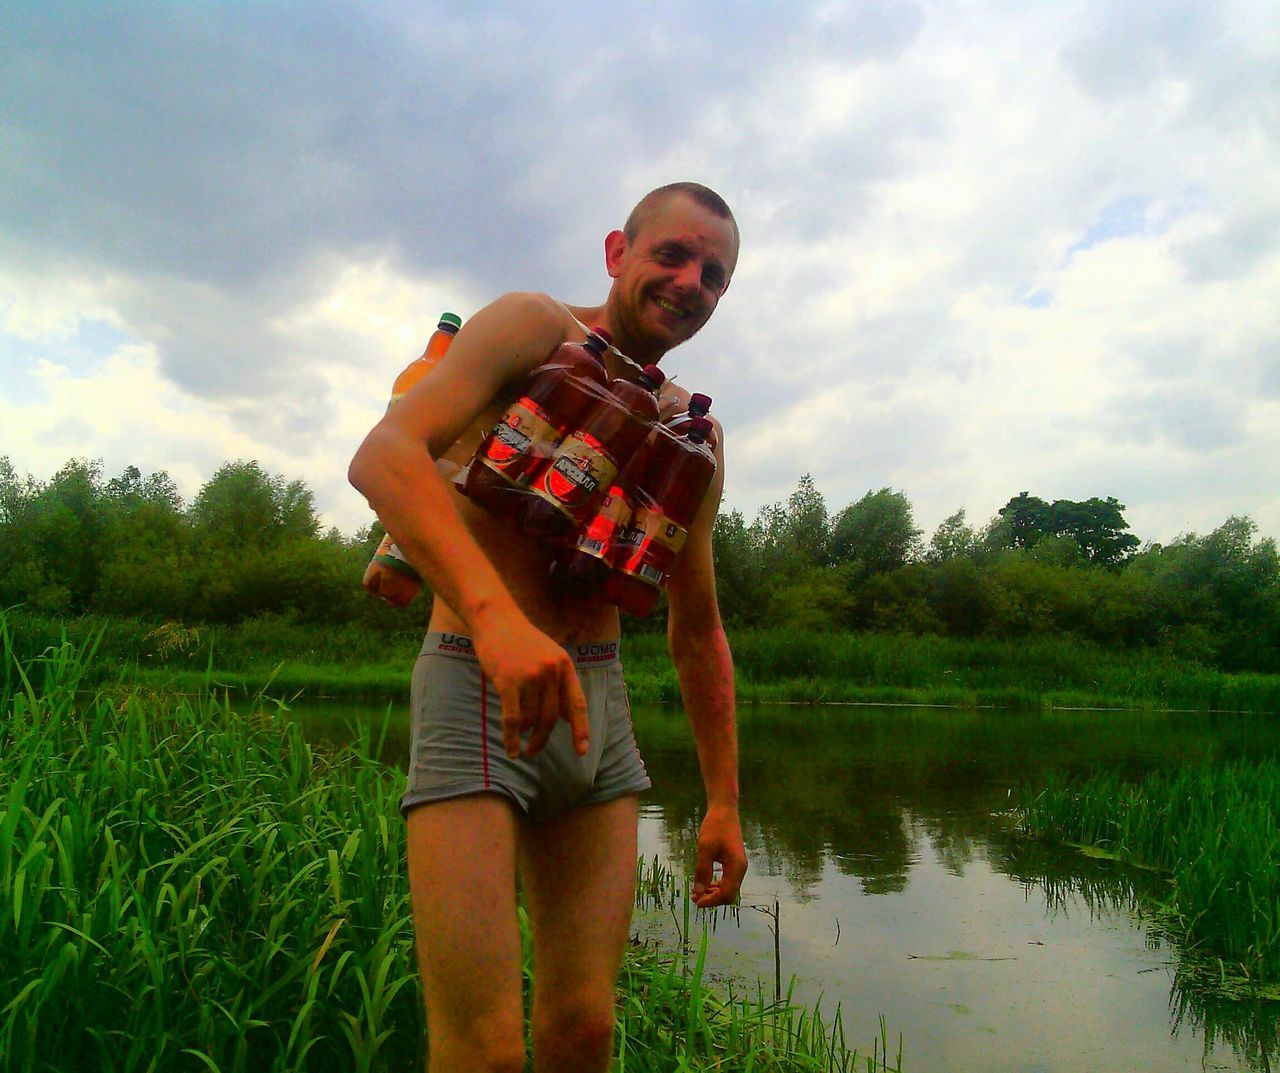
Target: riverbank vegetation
1211,830
772,666
184,888
250,547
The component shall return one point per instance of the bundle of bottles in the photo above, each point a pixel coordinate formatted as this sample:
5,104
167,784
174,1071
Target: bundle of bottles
584,463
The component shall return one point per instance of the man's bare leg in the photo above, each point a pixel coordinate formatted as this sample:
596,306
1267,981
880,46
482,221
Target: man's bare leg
579,872
462,876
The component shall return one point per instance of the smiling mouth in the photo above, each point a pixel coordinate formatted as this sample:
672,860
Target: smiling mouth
669,307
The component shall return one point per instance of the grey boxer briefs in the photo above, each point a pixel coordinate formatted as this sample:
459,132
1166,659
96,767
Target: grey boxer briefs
456,744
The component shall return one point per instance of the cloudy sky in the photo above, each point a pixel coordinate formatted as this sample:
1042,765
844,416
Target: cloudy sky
988,246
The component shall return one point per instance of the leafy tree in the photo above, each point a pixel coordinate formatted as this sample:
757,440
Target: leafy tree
1096,525
807,523
1029,518
242,507
878,533
1218,596
146,570
737,574
953,539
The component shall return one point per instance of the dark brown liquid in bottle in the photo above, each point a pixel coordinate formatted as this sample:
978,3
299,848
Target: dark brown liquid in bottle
667,501
571,487
556,398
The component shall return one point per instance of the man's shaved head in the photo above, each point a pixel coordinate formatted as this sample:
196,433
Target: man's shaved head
703,195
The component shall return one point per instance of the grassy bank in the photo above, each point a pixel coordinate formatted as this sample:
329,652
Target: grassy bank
183,888
772,666
1211,829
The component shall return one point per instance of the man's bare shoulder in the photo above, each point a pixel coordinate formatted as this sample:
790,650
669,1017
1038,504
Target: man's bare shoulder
532,310
509,336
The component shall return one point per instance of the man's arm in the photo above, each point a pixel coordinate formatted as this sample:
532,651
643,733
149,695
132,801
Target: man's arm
704,667
395,470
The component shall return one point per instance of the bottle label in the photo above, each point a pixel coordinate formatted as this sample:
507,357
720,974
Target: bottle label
389,554
648,547
581,467
607,523
520,441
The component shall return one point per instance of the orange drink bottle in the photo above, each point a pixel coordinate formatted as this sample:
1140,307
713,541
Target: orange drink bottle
679,472
419,367
389,574
556,398
582,470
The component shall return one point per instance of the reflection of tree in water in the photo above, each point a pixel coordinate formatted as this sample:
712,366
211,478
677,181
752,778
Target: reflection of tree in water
856,788
1200,1000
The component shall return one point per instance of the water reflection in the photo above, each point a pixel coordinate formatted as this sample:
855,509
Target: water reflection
1201,1004
840,804
902,891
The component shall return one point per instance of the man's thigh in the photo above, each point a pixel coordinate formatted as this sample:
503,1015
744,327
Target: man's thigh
578,871
462,857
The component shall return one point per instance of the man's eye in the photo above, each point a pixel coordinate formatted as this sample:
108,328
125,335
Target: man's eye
667,257
713,278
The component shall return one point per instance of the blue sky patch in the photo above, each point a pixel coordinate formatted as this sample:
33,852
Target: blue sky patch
1120,219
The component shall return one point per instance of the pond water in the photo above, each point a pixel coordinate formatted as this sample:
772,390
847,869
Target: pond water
900,891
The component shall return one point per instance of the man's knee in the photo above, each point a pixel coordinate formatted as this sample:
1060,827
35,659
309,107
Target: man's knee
574,1026
496,1046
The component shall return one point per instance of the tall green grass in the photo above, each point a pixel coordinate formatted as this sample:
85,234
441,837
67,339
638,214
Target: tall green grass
185,888
1212,829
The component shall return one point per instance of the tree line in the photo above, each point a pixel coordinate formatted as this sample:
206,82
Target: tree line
250,544
1037,567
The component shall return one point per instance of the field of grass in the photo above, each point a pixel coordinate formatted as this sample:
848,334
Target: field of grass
187,888
1212,829
772,666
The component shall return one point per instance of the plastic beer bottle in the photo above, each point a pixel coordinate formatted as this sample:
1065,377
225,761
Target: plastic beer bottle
580,474
556,398
389,574
583,568
679,472
699,406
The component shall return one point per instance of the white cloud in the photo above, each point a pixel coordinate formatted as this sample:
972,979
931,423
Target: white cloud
987,247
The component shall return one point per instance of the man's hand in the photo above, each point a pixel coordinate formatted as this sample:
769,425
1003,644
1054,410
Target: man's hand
719,843
537,683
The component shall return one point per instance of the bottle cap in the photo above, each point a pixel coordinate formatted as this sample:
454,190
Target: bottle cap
699,404
699,429
449,322
652,377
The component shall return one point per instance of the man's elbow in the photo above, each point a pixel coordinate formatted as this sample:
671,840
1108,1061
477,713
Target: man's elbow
370,463
360,469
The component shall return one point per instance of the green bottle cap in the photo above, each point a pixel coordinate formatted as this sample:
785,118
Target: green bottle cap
450,322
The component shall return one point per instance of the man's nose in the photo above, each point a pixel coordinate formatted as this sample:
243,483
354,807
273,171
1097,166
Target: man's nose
689,277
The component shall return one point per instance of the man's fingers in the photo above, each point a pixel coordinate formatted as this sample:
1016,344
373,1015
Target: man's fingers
574,705
548,711
734,872
703,870
511,720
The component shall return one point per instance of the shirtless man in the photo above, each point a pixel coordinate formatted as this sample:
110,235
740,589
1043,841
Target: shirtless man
561,806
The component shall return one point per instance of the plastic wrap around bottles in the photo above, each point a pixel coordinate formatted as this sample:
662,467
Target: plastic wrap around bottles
667,499
588,468
555,400
570,489
582,567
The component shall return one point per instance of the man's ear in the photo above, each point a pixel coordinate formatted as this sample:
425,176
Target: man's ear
615,245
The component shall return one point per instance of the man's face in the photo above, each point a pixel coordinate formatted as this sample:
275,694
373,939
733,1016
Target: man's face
669,278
